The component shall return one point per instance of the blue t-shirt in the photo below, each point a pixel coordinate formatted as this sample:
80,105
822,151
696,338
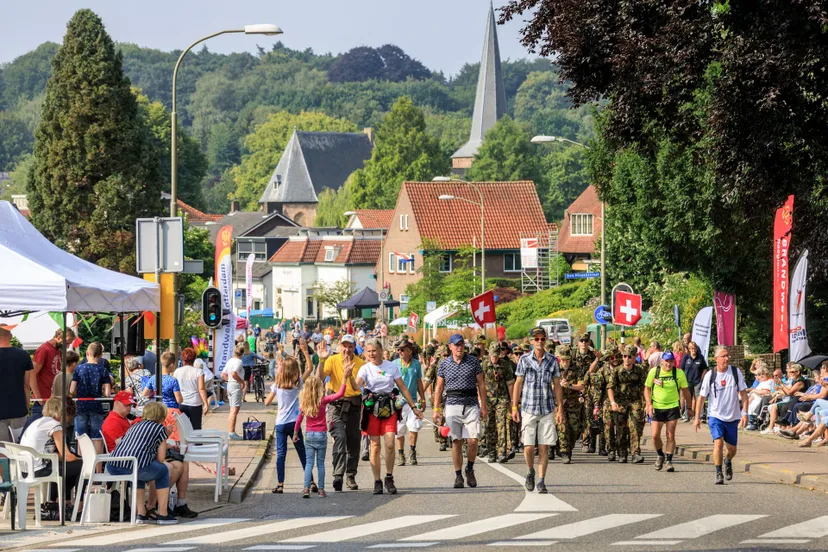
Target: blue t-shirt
410,375
90,379
169,385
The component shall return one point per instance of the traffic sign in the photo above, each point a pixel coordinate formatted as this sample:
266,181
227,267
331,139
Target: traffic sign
581,275
431,306
383,295
603,315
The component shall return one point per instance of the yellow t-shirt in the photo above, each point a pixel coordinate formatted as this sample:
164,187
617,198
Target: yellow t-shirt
334,368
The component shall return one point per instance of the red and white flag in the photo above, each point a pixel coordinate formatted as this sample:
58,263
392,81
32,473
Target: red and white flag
483,309
413,320
627,308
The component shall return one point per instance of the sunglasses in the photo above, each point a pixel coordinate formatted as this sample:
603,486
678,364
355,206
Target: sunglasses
627,356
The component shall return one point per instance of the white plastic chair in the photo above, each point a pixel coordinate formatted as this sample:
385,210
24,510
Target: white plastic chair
90,460
207,446
23,458
13,474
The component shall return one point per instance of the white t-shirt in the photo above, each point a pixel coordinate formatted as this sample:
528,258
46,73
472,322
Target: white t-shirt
39,437
233,365
208,374
379,379
654,359
724,402
187,377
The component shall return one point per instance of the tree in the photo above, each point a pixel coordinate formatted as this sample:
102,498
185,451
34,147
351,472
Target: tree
15,140
20,176
330,295
26,76
333,204
266,145
403,151
567,176
96,167
399,66
357,64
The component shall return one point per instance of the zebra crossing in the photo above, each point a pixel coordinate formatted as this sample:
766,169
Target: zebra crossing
435,530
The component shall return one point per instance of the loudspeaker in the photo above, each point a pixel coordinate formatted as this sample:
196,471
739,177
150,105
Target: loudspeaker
134,336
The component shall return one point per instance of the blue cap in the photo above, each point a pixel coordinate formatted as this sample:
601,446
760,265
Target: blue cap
455,339
667,356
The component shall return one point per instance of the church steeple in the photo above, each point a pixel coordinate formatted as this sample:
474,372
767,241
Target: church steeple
490,99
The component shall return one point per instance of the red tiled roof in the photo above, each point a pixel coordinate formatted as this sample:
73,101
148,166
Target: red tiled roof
510,208
365,251
194,215
375,218
587,202
313,251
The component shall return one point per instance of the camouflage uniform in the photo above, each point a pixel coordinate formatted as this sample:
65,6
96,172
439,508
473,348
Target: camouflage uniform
600,380
628,389
498,378
570,429
582,362
430,377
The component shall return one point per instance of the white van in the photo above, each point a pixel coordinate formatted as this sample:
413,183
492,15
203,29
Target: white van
558,329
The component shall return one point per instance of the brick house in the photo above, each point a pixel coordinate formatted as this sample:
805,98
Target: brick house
370,218
581,229
511,208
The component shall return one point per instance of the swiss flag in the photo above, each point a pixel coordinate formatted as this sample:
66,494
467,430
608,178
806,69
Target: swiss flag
626,309
483,308
413,320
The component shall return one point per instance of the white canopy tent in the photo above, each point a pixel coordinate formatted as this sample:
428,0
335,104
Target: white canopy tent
403,321
34,328
438,315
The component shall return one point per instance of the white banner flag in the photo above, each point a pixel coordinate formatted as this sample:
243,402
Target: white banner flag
248,278
798,347
701,330
225,335
529,252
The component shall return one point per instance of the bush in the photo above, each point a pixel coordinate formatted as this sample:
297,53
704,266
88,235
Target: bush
519,330
540,305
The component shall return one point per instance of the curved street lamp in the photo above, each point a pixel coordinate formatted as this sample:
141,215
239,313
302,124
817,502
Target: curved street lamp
448,197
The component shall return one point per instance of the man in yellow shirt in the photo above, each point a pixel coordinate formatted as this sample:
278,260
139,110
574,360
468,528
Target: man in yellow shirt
344,415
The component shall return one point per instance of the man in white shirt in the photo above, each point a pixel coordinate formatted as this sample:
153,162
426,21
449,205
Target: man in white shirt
727,406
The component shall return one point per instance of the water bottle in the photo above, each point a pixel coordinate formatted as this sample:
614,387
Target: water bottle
173,497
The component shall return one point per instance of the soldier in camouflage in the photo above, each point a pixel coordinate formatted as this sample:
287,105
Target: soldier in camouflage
430,377
572,382
626,395
584,361
500,379
600,399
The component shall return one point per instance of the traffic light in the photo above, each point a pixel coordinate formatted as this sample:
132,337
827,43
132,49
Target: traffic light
211,309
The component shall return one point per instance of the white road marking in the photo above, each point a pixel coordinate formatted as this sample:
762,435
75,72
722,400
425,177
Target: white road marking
813,528
775,541
700,527
523,543
281,547
55,550
477,527
163,549
534,502
589,526
647,543
356,531
404,545
259,530
150,533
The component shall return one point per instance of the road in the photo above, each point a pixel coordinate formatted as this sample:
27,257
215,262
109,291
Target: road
593,504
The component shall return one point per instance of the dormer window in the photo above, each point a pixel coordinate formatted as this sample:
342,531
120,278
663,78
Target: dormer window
330,254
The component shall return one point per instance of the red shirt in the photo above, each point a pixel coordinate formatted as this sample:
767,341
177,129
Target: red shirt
114,427
49,358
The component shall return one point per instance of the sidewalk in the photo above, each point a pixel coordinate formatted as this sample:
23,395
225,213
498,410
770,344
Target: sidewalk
766,456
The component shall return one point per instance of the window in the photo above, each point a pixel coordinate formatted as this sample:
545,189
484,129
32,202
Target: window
580,224
330,254
445,262
403,222
411,263
402,265
392,262
311,304
245,247
511,262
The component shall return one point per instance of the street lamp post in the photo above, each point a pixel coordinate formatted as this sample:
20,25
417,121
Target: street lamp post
259,29
382,257
447,197
546,140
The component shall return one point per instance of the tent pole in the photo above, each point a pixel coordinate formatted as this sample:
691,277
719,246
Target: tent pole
158,356
123,348
63,424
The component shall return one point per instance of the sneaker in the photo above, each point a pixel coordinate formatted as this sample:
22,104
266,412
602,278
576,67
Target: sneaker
401,459
611,457
719,478
637,459
503,459
305,493
603,452
389,484
669,465
235,437
529,484
566,458
542,488
169,519
751,427
591,448
337,484
184,511
314,488
442,448
365,457
659,463
777,429
412,457
377,487
623,459
766,431
322,493
492,458
351,483
728,470
143,520
458,482
471,480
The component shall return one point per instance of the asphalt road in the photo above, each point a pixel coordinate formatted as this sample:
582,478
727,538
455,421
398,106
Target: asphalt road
593,504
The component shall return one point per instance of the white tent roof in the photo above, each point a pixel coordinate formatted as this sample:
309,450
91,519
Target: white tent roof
34,328
403,321
36,275
438,315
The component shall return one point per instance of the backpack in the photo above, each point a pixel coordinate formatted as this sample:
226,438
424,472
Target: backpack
675,379
715,388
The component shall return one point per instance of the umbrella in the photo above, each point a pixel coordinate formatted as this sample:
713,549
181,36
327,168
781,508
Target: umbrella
366,299
813,361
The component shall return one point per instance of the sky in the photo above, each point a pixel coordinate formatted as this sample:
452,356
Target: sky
443,34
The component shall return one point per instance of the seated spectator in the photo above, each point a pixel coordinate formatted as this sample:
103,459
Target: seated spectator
783,398
135,382
170,391
764,388
91,381
117,422
45,435
193,393
72,360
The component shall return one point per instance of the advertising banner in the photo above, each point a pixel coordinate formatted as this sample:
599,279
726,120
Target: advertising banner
798,347
225,335
529,252
248,280
781,242
701,330
725,304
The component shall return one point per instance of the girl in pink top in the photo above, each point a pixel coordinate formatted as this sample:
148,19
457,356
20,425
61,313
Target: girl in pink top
312,405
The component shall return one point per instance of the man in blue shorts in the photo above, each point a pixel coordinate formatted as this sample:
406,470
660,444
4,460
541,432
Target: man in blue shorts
727,405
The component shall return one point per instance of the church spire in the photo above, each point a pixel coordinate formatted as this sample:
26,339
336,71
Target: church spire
490,99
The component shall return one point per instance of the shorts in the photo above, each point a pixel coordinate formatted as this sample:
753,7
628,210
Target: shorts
666,414
248,370
12,428
155,471
540,426
463,421
408,421
380,426
234,394
89,423
719,429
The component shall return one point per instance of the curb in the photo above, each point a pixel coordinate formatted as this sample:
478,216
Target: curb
242,486
809,481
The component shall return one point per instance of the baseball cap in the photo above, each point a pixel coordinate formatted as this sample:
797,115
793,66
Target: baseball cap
537,330
456,339
667,356
348,338
124,397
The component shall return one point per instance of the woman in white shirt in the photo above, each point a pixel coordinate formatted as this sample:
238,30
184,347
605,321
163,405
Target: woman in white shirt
193,392
233,373
381,382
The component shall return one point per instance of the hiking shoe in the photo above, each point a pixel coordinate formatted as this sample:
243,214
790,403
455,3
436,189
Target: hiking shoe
365,457
728,470
719,478
377,487
669,466
337,484
401,459
169,519
351,483
566,458
511,454
542,488
659,463
637,459
471,480
611,457
492,458
530,481
389,484
603,452
503,459
623,459
458,482
584,447
591,447
305,493
184,511
143,520
443,447
412,457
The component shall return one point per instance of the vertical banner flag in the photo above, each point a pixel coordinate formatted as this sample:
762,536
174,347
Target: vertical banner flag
483,309
529,252
248,280
725,304
701,330
781,242
413,320
226,334
798,348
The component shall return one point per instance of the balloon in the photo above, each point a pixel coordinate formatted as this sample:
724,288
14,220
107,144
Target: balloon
444,431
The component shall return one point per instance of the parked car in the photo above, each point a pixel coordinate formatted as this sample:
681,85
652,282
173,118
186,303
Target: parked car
557,329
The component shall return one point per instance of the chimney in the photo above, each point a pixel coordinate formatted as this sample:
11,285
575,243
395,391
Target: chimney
369,132
234,207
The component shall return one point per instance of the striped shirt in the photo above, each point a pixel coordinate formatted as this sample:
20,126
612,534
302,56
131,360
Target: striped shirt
141,441
538,395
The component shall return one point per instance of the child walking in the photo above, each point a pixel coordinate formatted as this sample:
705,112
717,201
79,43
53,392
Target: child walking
286,392
312,404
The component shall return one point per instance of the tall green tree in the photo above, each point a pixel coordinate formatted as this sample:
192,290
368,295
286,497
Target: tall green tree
15,140
403,151
96,167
